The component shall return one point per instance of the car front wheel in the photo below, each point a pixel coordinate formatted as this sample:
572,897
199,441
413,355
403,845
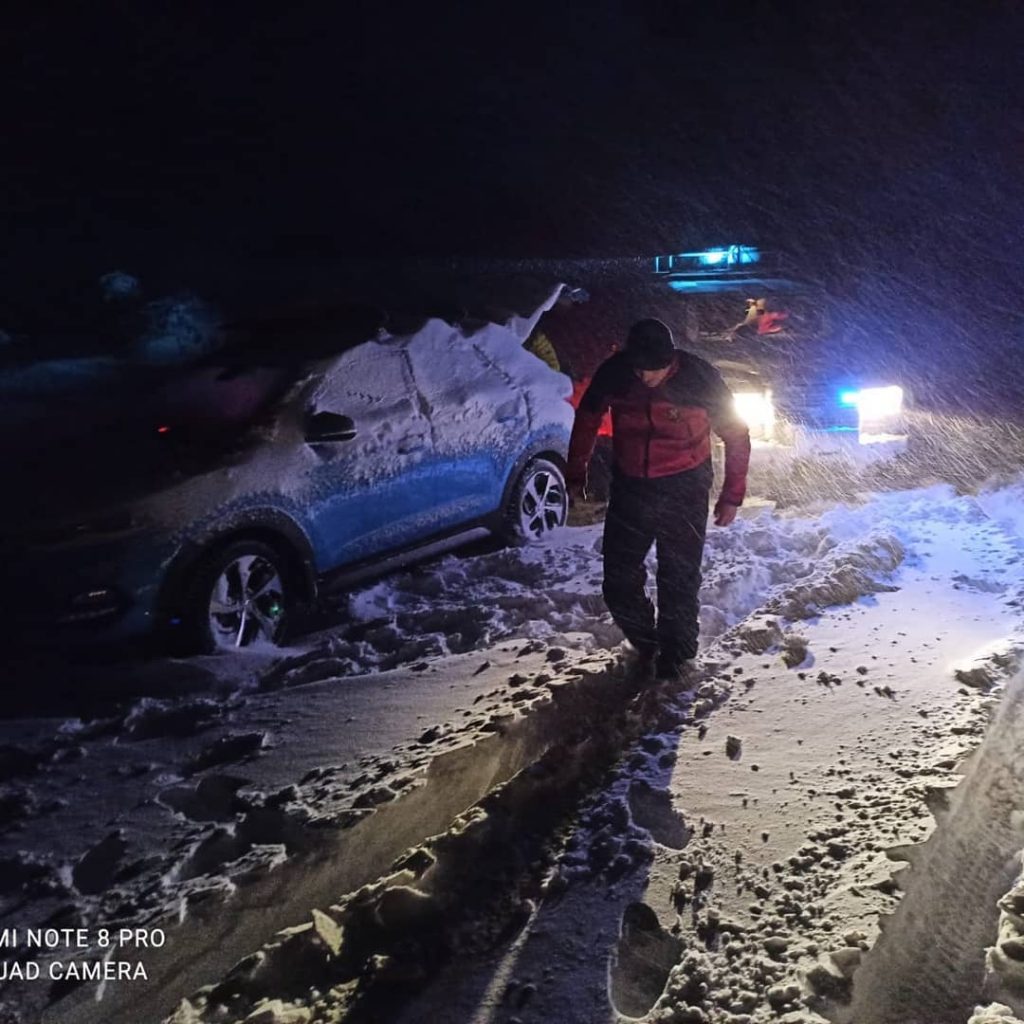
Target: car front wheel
539,503
240,597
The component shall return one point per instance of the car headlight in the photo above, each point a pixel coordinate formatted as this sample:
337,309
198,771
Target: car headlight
880,402
756,409
875,404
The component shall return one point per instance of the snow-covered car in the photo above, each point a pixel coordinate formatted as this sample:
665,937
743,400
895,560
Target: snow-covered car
233,493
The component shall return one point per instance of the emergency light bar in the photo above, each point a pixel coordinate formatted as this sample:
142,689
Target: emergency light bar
716,259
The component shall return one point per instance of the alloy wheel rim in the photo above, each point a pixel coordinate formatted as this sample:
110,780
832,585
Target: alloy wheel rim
543,504
247,603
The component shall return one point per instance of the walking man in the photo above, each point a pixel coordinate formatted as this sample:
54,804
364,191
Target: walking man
664,404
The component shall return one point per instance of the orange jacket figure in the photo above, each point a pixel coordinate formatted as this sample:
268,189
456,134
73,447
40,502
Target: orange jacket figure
579,389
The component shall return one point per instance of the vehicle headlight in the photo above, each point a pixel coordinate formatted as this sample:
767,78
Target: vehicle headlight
878,403
756,409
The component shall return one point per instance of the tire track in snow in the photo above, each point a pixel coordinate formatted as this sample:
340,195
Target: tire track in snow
927,966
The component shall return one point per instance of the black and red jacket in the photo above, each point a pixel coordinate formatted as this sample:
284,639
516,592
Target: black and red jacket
664,430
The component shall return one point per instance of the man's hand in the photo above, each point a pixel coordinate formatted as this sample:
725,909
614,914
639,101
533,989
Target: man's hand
724,513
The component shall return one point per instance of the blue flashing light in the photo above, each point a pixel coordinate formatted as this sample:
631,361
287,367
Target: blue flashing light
720,257
713,257
729,256
849,398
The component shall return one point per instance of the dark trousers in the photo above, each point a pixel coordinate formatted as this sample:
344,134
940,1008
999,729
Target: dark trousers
671,512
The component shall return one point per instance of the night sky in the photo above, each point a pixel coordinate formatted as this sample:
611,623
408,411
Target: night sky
204,145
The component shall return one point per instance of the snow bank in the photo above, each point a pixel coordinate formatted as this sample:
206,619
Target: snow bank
1005,505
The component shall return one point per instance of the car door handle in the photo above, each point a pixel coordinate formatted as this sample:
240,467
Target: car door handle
323,427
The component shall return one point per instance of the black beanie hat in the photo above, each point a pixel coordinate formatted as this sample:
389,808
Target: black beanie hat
649,345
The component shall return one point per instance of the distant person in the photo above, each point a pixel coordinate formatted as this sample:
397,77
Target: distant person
771,321
664,404
749,324
759,320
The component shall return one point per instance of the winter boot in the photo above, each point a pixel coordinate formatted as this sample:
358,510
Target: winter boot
641,662
670,668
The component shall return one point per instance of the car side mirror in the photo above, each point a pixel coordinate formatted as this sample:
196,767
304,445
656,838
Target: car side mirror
323,427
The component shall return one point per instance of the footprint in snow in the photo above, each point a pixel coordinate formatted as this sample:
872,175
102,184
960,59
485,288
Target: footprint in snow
226,750
645,955
214,798
652,809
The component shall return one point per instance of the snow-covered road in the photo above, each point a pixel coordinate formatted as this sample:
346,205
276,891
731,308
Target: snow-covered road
776,817
737,840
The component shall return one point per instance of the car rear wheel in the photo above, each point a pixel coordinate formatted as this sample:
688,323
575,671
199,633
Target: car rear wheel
240,597
539,503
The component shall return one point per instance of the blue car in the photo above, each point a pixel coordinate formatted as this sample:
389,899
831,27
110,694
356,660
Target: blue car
210,505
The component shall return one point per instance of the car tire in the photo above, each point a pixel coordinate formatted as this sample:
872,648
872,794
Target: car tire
239,596
538,504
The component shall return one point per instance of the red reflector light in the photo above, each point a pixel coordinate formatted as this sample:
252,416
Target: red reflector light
163,429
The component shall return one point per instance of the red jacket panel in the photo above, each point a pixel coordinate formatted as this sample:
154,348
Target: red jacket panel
664,430
771,323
